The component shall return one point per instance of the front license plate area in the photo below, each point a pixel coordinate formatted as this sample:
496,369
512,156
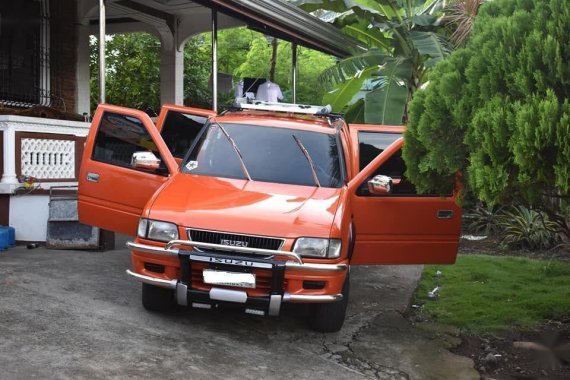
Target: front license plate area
240,280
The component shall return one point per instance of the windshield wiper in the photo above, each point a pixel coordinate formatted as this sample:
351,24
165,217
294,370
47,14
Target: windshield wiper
233,143
308,156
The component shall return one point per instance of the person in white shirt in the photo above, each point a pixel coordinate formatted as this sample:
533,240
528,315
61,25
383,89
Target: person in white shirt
269,92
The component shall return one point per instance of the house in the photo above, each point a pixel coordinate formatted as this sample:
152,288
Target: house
44,61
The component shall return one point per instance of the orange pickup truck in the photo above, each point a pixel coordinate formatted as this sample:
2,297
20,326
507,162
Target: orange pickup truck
260,205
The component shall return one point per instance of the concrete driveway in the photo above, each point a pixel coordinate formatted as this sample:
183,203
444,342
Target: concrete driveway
69,315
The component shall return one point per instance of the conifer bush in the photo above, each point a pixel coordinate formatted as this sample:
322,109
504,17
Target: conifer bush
498,110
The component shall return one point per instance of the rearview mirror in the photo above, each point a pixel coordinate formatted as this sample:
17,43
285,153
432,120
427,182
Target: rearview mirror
380,185
145,161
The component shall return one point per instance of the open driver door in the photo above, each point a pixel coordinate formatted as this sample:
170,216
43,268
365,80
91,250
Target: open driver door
124,163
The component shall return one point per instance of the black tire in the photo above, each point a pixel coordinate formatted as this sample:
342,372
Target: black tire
329,317
157,299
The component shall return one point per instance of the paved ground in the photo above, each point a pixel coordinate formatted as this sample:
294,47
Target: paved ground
68,315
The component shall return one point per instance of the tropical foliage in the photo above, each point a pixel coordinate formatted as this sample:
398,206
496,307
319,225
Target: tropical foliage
498,111
484,220
133,72
516,227
461,14
405,37
528,229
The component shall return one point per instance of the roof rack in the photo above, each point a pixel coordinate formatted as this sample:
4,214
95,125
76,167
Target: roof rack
284,107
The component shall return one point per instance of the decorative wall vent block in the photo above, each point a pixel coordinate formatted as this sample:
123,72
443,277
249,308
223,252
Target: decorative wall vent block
48,158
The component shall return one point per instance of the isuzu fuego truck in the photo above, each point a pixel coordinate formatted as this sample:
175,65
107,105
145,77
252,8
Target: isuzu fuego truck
260,205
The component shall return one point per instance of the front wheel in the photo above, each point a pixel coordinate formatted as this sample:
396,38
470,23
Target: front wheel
329,317
157,299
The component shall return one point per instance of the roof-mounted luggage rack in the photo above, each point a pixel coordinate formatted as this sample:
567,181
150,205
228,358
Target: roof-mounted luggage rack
324,111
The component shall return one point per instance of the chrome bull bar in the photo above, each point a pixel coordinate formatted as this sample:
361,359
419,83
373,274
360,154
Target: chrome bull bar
297,264
216,294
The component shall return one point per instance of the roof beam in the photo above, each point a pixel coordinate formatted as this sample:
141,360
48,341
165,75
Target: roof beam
286,21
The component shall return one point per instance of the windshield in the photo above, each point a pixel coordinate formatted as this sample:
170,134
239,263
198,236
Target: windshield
269,155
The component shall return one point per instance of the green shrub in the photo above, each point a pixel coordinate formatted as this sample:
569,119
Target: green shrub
485,221
498,110
524,228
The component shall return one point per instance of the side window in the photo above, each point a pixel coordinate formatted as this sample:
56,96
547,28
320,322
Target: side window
371,144
118,137
180,130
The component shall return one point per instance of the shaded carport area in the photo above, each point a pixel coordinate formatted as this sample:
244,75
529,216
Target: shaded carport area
175,21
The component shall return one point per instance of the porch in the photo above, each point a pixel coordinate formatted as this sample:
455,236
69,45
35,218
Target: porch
45,62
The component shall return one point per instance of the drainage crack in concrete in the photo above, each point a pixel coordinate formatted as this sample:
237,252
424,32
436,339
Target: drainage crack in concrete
348,359
343,354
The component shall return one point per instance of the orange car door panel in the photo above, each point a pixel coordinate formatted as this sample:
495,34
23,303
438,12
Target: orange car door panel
112,193
402,227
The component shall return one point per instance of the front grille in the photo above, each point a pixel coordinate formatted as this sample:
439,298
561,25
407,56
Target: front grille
251,241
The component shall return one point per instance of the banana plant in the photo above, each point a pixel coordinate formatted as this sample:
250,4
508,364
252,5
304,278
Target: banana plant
405,39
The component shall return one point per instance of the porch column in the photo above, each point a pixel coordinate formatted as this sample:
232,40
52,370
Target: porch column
171,75
82,71
102,51
294,71
215,59
9,147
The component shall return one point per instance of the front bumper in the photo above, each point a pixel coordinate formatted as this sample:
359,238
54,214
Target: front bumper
236,259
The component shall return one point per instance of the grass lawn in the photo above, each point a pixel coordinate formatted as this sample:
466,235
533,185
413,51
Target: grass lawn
485,294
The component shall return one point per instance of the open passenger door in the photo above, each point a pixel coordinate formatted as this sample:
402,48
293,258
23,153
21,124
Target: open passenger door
401,226
113,190
179,126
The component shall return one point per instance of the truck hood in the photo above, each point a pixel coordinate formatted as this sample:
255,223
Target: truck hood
248,207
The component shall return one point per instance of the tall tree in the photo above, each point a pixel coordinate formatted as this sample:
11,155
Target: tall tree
498,111
133,71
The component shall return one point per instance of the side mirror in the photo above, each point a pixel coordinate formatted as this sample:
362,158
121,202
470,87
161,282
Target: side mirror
145,161
380,185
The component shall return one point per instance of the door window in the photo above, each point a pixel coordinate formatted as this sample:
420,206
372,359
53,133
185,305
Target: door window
118,137
371,144
180,130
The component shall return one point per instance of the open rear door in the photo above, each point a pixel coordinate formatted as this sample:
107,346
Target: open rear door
113,193
402,227
179,126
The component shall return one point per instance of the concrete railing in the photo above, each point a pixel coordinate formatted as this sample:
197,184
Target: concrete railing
47,150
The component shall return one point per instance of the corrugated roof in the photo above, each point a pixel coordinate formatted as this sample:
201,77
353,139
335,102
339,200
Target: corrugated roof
287,21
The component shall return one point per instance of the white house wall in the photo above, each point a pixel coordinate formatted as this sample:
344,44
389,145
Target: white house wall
29,215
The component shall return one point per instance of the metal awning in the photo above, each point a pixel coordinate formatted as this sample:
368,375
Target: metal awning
282,20
287,21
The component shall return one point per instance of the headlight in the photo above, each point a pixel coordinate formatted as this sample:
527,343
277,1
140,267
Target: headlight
315,247
157,230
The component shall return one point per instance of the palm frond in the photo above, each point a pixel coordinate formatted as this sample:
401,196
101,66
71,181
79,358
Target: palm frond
462,14
351,67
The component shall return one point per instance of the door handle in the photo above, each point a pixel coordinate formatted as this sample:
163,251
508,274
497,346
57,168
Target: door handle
92,177
444,214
